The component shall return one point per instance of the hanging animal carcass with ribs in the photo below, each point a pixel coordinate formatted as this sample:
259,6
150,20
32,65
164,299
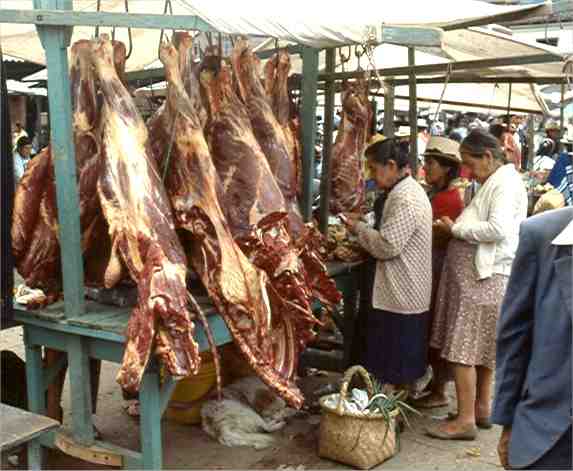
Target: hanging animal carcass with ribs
236,286
142,229
348,191
35,238
255,210
278,150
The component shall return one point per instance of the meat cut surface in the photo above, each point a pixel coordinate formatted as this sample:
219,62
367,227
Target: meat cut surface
141,226
348,189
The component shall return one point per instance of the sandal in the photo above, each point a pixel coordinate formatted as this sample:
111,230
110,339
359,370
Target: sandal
426,402
468,435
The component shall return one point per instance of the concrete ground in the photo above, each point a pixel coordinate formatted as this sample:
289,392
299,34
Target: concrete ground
296,446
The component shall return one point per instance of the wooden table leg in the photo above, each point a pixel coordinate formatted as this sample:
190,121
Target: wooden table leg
80,386
150,421
34,454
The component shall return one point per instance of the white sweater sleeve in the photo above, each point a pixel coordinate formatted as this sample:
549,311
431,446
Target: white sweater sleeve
493,229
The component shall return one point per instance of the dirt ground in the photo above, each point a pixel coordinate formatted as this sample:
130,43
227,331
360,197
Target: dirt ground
187,447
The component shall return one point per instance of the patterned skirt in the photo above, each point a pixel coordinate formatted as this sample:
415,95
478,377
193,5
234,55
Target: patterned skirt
466,310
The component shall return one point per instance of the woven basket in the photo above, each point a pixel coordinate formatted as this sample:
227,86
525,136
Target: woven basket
362,441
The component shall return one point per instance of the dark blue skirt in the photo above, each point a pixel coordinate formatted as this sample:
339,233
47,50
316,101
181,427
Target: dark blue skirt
396,347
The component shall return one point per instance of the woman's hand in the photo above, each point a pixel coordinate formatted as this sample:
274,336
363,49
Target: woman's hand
503,447
350,220
444,226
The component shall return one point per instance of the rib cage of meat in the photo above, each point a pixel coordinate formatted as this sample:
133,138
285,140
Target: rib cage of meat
35,225
269,111
236,287
141,227
347,171
255,210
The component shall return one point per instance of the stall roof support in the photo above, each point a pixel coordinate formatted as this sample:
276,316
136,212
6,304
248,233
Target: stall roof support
68,17
388,109
55,41
413,112
478,79
431,69
309,89
325,183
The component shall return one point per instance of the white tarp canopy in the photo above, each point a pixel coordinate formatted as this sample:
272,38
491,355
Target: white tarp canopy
319,23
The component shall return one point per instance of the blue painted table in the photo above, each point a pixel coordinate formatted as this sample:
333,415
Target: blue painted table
99,334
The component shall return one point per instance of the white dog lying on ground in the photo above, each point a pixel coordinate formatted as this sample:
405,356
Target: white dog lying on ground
248,411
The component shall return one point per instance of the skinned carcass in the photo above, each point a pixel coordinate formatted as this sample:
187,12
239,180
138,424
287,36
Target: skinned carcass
256,213
35,238
348,190
238,289
271,137
141,227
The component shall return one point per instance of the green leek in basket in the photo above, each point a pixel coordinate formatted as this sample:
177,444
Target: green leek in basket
385,404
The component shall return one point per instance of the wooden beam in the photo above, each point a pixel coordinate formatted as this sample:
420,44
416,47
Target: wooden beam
55,42
562,116
267,53
327,143
411,36
463,103
432,69
388,109
474,79
308,125
68,17
413,112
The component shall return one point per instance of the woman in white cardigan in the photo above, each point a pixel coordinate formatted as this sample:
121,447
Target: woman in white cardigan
473,282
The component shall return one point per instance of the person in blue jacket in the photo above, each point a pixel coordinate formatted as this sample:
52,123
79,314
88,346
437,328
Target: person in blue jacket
533,372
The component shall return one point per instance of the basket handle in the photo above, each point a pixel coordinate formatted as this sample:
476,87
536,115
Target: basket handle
350,372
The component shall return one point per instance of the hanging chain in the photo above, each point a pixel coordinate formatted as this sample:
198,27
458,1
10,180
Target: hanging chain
165,8
130,50
344,58
369,48
446,80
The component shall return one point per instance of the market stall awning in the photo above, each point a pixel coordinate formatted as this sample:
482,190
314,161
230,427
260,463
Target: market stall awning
319,23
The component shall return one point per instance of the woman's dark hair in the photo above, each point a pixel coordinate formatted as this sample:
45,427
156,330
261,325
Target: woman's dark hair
389,149
455,136
453,167
22,142
479,141
497,130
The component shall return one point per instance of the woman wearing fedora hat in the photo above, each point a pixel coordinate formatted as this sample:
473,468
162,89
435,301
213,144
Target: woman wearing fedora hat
442,167
473,282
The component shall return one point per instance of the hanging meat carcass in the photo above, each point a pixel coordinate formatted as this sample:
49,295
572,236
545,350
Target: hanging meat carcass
238,289
256,212
348,189
141,227
35,238
278,150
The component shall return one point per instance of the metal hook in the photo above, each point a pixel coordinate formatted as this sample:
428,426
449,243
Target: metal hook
165,7
344,58
130,50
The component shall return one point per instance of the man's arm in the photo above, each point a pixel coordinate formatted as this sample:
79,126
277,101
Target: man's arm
515,328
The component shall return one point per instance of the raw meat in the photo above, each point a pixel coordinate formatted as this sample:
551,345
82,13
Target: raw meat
256,213
141,227
35,224
348,189
236,287
271,137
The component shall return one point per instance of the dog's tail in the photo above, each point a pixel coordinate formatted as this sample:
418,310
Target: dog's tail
258,441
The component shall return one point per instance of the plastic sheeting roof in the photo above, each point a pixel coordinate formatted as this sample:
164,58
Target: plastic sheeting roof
319,23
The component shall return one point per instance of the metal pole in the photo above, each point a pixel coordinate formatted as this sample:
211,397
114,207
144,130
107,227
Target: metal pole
507,118
327,142
308,118
388,108
413,112
531,140
562,117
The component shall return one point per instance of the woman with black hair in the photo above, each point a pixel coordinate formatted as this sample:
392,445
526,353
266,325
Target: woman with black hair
400,246
442,167
473,281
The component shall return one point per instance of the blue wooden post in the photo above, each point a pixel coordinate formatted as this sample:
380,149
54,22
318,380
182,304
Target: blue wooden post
55,40
36,394
150,420
308,124
80,387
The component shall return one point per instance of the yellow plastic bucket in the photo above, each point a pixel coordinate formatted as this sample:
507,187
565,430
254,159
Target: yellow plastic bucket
190,393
